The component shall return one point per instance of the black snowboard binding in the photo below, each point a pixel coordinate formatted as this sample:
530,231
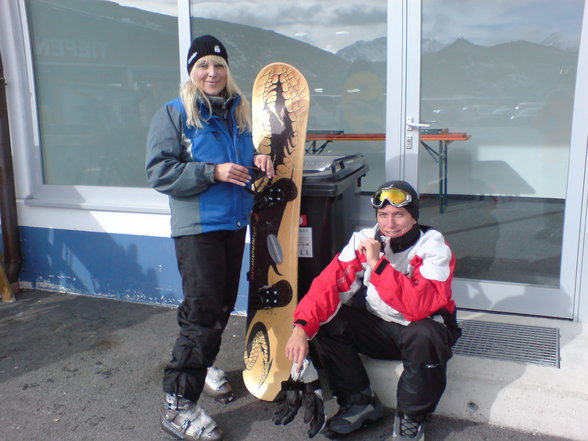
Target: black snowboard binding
275,296
281,191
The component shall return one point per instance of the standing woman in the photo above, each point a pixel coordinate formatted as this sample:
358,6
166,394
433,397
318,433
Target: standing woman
200,153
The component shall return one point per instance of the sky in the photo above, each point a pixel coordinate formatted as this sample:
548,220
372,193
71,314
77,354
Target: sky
332,25
492,22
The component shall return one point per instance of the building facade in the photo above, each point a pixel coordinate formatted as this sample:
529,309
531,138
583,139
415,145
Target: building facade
480,104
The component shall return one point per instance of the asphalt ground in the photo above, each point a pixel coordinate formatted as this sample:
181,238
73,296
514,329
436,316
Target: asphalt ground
85,368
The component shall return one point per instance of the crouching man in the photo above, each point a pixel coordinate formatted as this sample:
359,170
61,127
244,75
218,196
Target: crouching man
387,295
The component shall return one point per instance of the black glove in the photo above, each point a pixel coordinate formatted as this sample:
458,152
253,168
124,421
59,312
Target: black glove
303,388
289,403
314,409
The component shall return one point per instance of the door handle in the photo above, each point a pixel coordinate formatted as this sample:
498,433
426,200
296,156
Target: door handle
410,125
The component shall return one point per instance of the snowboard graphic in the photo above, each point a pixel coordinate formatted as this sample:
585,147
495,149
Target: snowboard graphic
280,102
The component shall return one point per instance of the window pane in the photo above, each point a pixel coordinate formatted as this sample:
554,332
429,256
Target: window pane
505,73
339,46
101,71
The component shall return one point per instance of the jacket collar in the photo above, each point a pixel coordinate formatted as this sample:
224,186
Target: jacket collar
231,105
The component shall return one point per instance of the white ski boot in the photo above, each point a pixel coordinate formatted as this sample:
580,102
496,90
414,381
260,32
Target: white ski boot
187,421
217,385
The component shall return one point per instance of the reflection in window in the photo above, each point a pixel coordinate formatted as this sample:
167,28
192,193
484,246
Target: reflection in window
101,71
505,73
339,46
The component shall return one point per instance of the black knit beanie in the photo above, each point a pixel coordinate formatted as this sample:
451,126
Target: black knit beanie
413,206
203,46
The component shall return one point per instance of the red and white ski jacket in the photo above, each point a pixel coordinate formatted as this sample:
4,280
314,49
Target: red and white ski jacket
403,287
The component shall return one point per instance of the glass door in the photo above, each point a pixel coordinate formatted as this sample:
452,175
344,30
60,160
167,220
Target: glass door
489,104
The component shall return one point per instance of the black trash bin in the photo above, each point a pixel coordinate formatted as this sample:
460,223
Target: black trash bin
330,201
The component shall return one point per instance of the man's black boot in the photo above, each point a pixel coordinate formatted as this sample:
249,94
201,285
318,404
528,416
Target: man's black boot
355,412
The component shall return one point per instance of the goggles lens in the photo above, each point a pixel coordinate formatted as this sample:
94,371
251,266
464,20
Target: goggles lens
395,196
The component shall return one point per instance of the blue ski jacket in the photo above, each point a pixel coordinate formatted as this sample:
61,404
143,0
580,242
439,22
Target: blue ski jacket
180,163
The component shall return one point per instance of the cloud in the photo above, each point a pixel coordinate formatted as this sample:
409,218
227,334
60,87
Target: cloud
332,25
498,21
166,7
328,25
269,13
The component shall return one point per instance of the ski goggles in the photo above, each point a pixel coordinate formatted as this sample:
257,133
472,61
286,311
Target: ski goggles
394,196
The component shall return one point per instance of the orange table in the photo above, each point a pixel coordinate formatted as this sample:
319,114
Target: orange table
440,156
444,138
328,136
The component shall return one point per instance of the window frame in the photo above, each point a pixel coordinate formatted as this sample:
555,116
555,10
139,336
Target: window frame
86,197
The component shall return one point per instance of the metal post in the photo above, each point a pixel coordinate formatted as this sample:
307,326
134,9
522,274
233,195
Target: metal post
8,216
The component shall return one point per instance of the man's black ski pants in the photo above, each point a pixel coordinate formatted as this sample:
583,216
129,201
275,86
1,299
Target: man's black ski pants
423,347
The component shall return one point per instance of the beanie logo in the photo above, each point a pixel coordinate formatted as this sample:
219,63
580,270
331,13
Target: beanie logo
194,55
217,49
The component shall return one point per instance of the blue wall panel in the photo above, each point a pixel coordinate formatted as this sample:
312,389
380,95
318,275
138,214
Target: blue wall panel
119,266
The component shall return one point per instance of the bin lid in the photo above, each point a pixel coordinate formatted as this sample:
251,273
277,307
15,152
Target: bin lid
321,166
330,175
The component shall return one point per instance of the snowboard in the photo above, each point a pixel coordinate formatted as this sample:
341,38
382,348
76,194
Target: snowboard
280,102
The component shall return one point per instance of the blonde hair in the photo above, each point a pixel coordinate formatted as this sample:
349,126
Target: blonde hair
191,94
